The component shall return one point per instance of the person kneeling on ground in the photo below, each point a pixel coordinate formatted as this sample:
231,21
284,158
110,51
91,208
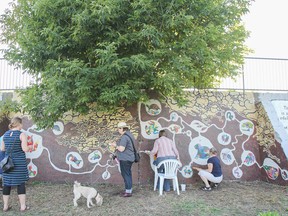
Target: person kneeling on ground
213,173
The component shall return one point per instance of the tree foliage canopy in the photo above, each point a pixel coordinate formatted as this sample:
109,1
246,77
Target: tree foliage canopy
115,52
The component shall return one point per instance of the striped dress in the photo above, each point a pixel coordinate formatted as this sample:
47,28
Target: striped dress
19,174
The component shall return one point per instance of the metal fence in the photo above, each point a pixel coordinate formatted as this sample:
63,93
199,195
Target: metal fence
257,74
12,78
260,74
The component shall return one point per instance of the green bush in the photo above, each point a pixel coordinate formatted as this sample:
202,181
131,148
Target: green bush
8,106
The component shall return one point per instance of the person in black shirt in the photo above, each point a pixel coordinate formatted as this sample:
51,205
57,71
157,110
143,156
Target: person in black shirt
213,173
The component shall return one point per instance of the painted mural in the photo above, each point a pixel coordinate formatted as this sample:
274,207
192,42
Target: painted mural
233,145
90,135
235,124
275,160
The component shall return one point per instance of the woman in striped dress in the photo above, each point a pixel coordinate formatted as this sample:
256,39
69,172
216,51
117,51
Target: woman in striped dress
16,142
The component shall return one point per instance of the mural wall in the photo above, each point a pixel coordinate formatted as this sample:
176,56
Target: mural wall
77,147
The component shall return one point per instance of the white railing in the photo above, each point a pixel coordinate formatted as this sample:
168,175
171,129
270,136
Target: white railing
13,78
257,74
260,74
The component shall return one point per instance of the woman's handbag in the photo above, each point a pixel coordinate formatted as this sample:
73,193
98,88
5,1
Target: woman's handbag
137,155
7,163
2,155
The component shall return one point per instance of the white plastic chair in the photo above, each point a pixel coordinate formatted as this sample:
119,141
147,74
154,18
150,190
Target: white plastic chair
170,172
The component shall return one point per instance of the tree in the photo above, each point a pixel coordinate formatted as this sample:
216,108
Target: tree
8,106
116,52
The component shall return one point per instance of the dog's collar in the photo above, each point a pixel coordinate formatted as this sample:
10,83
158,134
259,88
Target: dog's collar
96,194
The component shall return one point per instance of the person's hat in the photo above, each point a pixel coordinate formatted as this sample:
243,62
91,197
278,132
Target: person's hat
122,125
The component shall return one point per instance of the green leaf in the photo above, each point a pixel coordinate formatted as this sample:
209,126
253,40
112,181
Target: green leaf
116,52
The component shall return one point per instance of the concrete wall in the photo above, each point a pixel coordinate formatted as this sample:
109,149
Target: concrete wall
237,124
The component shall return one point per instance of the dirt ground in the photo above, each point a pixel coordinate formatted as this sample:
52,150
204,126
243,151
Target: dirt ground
231,198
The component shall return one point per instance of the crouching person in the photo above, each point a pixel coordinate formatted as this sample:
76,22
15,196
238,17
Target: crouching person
213,173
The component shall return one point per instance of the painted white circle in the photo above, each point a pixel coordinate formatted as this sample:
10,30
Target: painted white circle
153,107
271,168
75,160
58,128
174,128
237,172
248,158
199,150
284,174
246,127
224,138
94,156
174,116
106,175
32,170
229,115
188,133
186,171
35,141
198,126
150,129
227,156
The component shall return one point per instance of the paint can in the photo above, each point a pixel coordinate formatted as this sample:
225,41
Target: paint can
183,187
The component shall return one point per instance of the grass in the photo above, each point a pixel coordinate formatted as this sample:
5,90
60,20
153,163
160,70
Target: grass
269,214
232,198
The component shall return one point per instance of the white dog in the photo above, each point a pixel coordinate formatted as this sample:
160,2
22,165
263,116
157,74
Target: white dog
87,192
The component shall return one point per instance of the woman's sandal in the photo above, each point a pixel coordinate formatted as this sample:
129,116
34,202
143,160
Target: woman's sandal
206,188
215,185
26,208
5,210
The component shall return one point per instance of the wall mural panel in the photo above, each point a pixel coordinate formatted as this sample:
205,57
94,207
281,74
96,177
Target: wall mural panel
77,147
226,128
198,134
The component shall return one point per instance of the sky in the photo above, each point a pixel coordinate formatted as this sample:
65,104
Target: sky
266,21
